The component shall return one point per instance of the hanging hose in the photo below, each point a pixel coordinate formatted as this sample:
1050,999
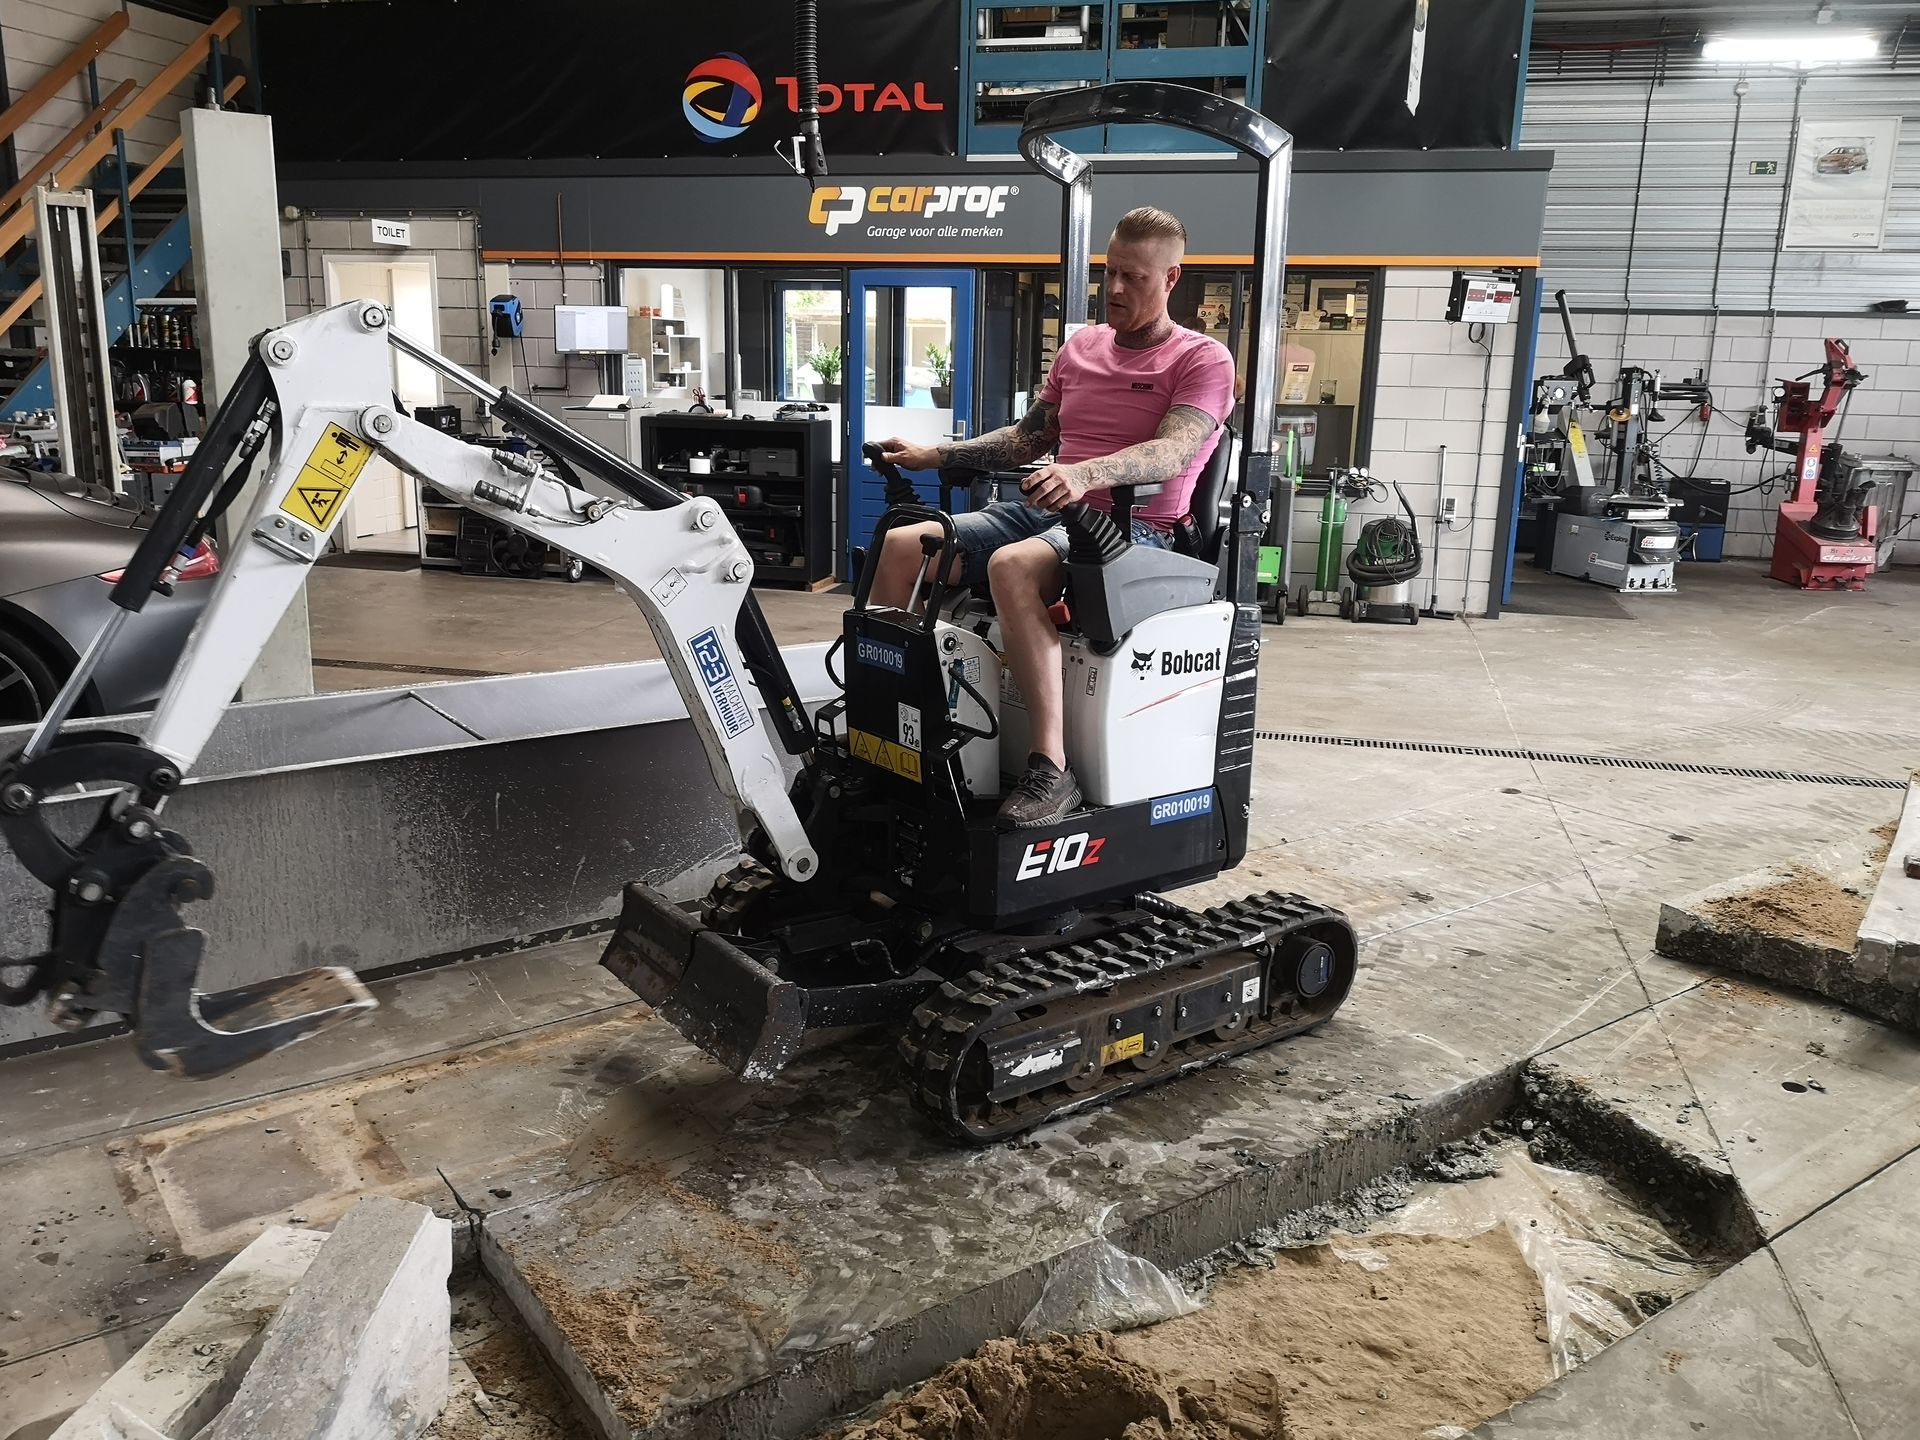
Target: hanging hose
809,152
1388,551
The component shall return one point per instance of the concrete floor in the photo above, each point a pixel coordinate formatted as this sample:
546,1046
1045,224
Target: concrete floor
1507,908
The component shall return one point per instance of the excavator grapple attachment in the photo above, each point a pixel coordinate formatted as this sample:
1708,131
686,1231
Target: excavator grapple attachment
705,986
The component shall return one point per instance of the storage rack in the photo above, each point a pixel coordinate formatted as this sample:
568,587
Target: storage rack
773,478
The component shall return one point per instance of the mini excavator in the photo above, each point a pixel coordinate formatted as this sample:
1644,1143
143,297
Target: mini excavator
1028,973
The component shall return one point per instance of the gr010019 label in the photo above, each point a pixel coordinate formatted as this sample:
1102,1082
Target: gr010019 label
1169,809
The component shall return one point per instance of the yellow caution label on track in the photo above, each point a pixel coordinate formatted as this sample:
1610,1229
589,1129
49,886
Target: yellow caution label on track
1124,1049
322,485
884,753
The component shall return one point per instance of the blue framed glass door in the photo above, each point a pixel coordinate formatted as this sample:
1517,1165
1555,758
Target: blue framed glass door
909,373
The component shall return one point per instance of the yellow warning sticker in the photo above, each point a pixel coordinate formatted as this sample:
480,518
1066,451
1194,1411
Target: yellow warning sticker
885,753
1124,1049
1577,438
321,487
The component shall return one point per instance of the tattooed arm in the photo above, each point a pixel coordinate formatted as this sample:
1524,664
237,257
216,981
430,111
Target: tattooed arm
1152,462
1037,434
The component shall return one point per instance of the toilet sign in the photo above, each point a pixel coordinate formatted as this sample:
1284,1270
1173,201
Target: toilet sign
392,232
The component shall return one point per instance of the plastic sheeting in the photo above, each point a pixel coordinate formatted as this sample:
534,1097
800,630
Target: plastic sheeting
1099,1286
1606,1266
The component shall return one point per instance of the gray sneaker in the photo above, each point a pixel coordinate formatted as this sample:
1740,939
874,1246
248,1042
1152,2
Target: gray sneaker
1041,796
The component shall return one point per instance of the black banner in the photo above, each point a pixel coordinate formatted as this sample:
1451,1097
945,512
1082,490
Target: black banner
1338,72
436,80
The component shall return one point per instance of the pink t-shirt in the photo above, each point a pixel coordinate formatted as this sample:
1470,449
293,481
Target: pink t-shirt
1111,397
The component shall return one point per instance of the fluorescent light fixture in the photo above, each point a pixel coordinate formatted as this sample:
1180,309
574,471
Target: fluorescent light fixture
1805,49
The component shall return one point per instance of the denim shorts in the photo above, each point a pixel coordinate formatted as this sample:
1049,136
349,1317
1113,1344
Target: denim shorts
1005,522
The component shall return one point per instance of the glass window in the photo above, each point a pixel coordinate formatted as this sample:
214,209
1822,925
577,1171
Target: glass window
676,331
807,320
1323,364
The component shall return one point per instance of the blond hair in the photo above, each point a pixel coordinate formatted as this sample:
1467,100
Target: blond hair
1145,222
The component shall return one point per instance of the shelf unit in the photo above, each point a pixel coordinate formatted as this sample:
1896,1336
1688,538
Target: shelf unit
773,478
676,358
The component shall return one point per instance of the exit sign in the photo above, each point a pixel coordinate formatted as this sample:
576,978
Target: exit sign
1763,167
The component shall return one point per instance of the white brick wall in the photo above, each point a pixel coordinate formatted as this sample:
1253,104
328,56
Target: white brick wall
465,330
1741,356
1436,388
40,33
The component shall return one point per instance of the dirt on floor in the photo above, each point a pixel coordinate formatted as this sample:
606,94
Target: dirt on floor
1802,902
1447,1332
614,1337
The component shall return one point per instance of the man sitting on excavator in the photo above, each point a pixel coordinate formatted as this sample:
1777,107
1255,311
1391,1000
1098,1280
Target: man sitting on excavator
1136,401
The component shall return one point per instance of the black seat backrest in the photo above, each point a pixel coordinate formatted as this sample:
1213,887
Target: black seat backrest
1209,498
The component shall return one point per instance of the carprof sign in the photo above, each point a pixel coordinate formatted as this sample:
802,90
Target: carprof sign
903,212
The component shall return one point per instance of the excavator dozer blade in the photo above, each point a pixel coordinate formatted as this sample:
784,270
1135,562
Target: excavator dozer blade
705,986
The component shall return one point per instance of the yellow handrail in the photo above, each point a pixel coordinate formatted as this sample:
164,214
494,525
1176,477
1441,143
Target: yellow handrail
73,137
55,80
15,227
24,301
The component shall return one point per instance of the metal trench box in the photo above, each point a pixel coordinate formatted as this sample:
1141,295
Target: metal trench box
393,828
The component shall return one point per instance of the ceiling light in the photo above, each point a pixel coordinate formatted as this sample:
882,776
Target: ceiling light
1805,49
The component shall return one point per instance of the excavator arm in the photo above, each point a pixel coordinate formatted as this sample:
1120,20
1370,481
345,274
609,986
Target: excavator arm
316,395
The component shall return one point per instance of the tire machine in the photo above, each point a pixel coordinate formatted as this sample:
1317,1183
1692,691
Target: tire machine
1824,537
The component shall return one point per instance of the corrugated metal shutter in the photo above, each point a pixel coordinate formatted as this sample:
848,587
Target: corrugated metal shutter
1678,260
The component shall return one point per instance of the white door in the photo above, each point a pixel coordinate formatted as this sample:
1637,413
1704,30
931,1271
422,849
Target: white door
384,512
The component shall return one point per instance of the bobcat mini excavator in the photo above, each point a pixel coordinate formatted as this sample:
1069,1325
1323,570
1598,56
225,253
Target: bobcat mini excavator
1027,972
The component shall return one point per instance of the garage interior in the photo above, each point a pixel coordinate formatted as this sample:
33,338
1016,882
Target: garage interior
1553,872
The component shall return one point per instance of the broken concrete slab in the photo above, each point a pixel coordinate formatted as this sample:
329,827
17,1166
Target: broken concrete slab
1808,1098
181,1378
1733,1361
1792,924
1620,1097
827,1248
1853,1268
1889,946
359,1349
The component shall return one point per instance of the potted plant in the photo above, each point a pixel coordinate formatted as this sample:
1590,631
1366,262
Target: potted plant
826,364
940,361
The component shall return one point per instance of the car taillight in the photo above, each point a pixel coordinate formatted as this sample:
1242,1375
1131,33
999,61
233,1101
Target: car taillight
200,563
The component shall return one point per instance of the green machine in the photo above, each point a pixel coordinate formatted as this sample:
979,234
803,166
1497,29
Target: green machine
1272,576
1343,487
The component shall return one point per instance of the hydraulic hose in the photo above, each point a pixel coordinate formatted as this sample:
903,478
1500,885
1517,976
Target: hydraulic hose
806,68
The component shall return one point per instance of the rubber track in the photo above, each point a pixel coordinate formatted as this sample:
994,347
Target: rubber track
1158,949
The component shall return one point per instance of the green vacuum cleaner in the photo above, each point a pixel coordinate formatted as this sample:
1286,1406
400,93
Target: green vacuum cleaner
1383,566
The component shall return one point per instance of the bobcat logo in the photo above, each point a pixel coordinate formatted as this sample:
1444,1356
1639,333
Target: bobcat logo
1142,662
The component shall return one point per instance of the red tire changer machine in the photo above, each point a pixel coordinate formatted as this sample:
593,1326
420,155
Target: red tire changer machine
1826,534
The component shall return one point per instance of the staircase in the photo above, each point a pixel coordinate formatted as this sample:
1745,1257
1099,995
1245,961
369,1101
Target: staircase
140,218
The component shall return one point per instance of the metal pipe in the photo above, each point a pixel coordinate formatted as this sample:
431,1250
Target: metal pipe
76,685
1726,203
434,360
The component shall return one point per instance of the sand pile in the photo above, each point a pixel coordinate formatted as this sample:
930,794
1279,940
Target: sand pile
1445,1332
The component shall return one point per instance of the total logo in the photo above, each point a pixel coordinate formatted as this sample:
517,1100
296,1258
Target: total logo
1053,856
836,206
722,96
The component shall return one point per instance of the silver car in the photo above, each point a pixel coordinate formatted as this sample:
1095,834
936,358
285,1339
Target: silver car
61,546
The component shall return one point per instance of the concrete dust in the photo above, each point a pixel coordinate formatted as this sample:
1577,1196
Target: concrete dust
1802,902
500,1388
613,1336
1882,841
1419,1332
